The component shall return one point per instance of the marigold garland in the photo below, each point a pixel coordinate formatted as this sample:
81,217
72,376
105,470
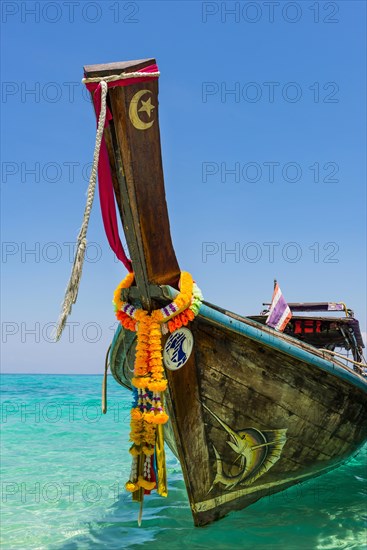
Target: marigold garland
149,383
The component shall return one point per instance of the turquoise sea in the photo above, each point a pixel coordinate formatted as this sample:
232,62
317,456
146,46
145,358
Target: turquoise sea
64,465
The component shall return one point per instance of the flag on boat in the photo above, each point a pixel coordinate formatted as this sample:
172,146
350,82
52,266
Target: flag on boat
279,313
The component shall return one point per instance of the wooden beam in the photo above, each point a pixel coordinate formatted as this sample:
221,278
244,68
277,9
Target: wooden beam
107,69
133,143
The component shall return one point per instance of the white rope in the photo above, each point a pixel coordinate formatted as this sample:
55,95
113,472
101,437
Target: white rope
343,357
122,76
71,292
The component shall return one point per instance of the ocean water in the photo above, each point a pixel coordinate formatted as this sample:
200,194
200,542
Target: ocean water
64,465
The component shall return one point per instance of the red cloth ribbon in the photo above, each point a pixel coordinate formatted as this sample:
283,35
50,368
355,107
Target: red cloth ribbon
105,185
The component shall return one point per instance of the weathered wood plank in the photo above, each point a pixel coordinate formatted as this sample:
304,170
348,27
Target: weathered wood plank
118,67
133,143
141,157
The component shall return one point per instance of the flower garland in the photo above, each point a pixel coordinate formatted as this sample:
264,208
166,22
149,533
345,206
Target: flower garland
148,414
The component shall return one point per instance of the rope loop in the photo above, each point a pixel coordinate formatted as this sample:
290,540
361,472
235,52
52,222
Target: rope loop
121,76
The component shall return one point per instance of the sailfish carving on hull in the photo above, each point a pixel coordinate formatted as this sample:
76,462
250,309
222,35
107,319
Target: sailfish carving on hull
257,451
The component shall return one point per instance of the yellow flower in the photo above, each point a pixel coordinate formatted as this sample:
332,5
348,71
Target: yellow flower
157,316
141,315
141,382
161,418
136,414
148,485
128,281
134,450
149,417
148,451
132,487
156,385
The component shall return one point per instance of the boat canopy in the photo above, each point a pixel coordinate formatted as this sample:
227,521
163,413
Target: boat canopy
317,306
323,332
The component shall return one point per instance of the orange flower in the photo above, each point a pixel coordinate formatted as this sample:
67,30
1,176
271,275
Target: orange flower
136,414
161,418
140,382
156,385
157,316
149,417
184,319
190,315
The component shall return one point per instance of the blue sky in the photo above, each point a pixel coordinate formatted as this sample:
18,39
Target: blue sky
263,132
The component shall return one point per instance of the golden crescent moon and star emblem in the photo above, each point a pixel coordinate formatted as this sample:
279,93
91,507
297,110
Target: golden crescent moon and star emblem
145,107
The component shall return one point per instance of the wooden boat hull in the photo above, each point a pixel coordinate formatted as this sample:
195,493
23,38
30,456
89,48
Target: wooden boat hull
252,411
249,419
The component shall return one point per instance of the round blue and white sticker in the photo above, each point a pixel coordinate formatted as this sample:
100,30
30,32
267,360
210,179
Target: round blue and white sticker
178,348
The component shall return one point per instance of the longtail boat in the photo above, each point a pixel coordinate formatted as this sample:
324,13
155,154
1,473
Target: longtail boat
252,410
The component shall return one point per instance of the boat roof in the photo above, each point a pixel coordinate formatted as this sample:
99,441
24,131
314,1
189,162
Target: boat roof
317,306
331,324
330,329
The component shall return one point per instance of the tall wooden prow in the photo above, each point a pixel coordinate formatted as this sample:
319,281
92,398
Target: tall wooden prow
133,144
